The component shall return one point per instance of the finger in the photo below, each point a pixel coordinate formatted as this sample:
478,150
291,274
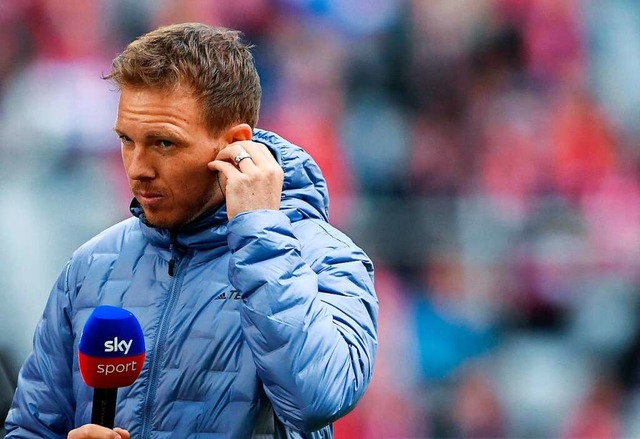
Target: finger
260,154
224,167
244,161
93,431
233,151
124,434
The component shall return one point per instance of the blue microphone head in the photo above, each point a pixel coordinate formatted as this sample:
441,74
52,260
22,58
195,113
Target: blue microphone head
112,349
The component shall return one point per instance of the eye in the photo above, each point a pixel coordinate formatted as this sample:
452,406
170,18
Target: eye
165,143
123,138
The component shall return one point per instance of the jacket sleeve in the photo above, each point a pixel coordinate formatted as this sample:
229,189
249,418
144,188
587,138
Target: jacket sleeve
43,403
309,314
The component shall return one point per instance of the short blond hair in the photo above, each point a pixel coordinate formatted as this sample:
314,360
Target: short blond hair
213,61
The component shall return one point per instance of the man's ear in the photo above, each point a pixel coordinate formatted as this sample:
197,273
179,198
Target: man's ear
242,131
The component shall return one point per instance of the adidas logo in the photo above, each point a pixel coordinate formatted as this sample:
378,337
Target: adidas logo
233,294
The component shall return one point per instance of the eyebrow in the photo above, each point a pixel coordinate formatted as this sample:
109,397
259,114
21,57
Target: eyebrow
118,131
155,134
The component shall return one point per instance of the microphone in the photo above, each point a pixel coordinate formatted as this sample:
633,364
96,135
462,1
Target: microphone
111,354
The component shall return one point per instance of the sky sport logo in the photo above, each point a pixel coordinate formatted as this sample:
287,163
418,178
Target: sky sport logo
116,345
108,369
119,367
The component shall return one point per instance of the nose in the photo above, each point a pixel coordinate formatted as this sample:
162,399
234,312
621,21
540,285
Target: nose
138,163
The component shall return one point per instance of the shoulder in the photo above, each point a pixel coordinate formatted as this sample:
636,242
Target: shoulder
106,245
110,240
323,243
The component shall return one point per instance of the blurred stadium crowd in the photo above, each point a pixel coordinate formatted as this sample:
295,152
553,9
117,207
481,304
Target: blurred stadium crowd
486,154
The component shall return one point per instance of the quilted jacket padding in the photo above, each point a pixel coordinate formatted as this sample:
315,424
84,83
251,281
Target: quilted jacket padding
273,311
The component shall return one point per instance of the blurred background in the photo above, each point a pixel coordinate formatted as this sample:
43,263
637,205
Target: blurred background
485,153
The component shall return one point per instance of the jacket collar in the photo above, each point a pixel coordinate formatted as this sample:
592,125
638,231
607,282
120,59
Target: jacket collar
207,231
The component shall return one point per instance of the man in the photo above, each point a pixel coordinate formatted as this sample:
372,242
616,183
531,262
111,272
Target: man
259,317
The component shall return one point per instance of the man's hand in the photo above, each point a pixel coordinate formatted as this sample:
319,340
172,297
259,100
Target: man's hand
92,431
252,183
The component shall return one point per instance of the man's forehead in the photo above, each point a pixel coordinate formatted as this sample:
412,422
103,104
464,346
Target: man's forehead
179,103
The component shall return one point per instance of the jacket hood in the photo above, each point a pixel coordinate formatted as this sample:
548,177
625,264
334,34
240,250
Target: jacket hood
304,195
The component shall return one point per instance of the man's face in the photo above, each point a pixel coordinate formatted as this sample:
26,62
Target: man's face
165,148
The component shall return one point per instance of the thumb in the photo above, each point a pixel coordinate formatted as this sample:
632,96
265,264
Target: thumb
124,434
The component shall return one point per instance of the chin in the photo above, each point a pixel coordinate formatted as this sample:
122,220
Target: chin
167,220
161,223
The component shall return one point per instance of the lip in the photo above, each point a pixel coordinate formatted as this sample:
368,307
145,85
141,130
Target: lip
148,198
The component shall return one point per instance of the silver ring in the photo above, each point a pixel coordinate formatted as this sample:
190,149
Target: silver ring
240,157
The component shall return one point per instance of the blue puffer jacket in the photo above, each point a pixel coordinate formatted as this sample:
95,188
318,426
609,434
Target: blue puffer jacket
271,311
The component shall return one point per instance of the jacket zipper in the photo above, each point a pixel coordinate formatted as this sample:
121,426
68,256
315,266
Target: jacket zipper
158,349
172,249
